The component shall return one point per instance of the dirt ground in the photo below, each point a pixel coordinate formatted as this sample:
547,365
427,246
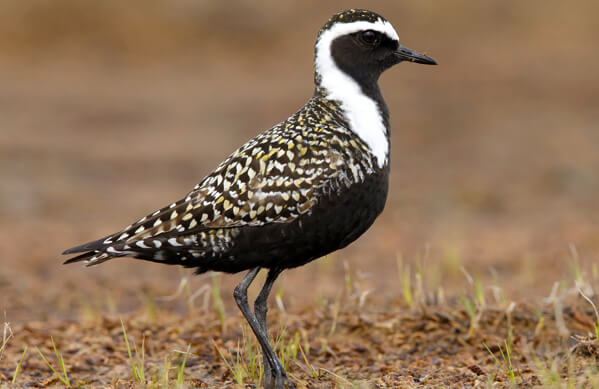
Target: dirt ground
109,111
341,345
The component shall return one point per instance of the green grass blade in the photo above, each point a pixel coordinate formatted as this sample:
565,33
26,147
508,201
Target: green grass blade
61,363
56,373
141,366
16,373
509,362
237,375
131,362
497,361
182,367
167,367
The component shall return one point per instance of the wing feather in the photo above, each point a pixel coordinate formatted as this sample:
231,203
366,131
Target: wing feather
274,178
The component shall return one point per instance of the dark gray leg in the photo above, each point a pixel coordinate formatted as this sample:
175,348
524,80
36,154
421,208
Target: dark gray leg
260,309
241,298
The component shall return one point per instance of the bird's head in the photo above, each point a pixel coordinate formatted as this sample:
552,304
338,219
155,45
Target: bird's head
361,44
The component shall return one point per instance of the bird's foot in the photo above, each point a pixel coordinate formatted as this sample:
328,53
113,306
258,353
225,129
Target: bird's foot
278,382
268,379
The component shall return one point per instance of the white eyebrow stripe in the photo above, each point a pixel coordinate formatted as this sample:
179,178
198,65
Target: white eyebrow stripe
340,29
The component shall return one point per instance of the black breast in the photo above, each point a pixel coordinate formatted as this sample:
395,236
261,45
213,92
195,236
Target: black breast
336,221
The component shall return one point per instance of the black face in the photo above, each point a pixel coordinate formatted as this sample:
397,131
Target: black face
364,55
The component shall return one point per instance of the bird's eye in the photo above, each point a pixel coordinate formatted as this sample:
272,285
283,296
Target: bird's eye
369,37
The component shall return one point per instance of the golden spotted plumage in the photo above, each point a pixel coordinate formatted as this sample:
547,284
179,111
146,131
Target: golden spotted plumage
274,178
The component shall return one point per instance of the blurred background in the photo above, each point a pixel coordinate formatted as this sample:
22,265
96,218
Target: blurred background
112,109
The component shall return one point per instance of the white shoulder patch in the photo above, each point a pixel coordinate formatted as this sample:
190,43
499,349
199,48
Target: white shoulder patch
363,113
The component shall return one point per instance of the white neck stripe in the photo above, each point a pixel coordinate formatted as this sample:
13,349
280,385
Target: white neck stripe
362,112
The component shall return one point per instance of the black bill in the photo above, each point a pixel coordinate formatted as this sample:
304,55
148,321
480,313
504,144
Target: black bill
405,54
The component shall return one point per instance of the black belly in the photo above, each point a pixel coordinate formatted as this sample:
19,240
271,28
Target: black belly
336,221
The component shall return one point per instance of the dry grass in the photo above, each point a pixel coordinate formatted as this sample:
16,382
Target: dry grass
342,343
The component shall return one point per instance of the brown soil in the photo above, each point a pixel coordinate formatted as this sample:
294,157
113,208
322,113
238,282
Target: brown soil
345,345
110,111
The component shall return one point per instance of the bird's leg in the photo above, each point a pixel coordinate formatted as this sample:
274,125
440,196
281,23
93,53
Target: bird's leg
241,298
260,309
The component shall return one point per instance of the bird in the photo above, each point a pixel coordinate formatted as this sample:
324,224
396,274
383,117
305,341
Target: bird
304,188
